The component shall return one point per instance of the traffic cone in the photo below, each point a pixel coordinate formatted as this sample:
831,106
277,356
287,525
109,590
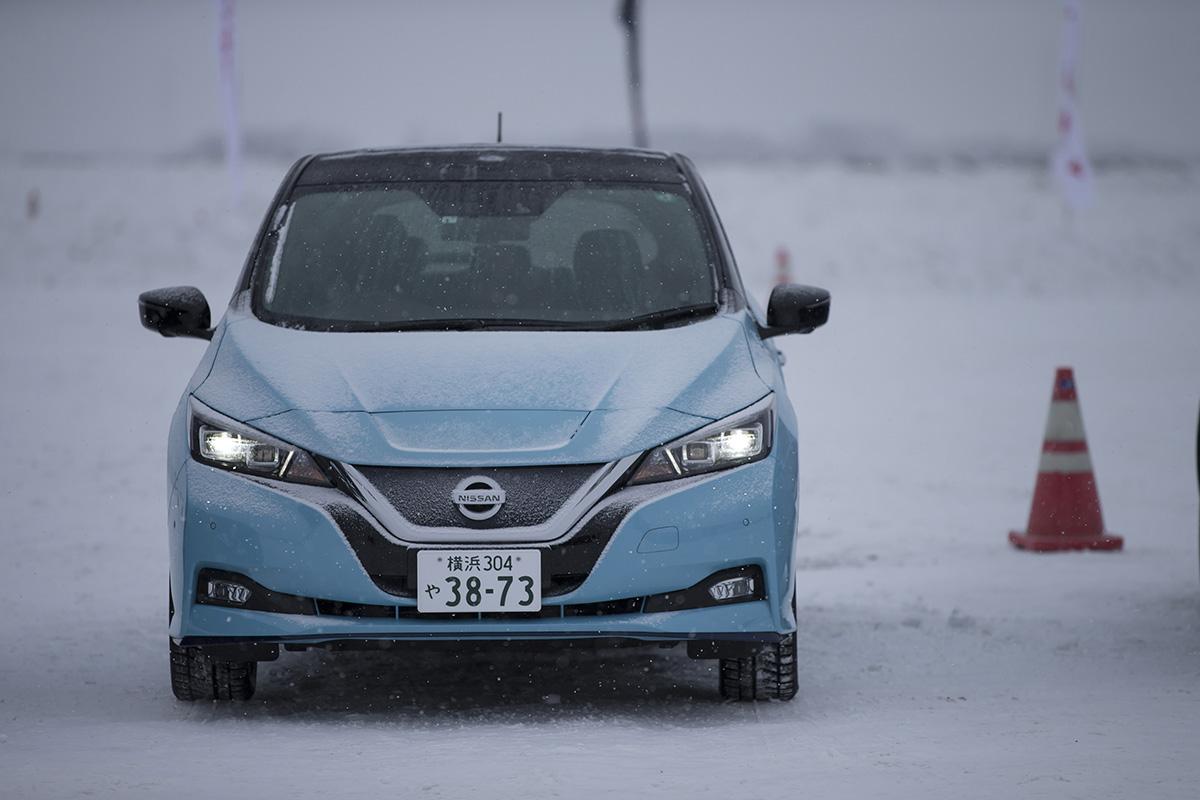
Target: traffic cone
1066,506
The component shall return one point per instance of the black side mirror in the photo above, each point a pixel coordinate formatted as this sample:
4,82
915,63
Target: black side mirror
176,311
795,309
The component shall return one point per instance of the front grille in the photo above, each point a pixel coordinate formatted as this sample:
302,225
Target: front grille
628,605
533,494
565,565
334,608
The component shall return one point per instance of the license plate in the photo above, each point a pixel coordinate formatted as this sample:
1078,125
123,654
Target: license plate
465,581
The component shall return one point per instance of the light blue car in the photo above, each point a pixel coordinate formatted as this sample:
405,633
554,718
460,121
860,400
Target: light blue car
485,393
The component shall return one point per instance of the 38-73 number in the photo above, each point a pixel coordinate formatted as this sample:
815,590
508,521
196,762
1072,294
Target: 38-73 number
470,592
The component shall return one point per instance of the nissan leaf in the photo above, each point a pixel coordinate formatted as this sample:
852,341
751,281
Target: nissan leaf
485,393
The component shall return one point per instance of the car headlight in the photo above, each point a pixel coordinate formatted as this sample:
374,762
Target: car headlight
221,442
739,439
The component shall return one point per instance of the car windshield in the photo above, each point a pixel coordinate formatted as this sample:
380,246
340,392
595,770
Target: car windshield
471,254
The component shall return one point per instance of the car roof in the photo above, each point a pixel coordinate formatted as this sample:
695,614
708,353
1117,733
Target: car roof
492,162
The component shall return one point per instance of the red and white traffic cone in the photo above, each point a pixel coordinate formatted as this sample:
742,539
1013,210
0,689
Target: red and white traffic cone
1066,506
783,266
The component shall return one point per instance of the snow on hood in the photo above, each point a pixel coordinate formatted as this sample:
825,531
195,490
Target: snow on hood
474,397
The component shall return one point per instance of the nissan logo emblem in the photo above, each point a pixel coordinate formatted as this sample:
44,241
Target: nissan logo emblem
478,497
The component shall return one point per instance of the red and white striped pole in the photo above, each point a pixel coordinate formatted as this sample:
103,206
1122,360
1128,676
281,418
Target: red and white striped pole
233,133
1070,164
783,266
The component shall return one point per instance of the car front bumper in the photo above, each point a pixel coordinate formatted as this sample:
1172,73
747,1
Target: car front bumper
673,536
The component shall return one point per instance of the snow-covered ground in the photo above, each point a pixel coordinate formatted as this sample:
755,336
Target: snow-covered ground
936,661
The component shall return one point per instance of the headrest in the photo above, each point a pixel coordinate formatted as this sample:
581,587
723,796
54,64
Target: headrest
502,262
607,248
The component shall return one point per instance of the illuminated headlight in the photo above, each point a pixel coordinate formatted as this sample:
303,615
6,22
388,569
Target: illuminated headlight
221,442
217,444
736,440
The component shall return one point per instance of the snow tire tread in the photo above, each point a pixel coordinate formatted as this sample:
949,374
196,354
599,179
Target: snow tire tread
773,674
195,676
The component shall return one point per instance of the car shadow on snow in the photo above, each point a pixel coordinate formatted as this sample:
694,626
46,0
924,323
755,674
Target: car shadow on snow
488,682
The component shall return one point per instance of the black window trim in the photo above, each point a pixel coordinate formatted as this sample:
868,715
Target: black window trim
282,197
728,277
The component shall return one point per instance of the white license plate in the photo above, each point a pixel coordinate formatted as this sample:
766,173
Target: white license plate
466,581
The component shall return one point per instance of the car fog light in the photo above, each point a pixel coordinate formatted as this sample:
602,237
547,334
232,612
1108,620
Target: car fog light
732,588
228,592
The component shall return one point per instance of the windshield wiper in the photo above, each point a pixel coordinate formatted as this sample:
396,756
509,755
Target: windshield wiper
653,319
660,318
478,324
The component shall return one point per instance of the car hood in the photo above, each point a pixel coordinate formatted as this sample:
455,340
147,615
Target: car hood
474,398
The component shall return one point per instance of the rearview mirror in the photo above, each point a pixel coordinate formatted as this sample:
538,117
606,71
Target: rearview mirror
795,309
176,311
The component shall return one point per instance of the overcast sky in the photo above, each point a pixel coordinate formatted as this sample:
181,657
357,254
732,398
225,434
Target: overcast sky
140,75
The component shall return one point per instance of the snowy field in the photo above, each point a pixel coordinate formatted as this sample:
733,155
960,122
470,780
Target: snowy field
936,661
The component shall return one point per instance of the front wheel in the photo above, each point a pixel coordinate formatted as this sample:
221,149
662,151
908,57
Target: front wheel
772,674
195,676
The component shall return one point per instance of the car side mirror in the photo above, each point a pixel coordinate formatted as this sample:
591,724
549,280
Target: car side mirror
795,309
176,311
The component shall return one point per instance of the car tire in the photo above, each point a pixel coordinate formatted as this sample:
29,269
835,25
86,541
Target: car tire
772,674
195,676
